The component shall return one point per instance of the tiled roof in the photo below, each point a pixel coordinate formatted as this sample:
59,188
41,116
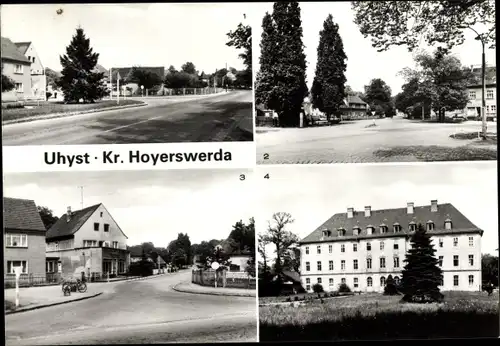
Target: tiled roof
460,224
355,99
21,214
22,46
125,71
63,228
11,52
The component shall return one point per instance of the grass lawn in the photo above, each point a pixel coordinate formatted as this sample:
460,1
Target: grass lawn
375,316
9,305
439,153
58,107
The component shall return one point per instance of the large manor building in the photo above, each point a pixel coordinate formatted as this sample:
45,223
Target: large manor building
362,248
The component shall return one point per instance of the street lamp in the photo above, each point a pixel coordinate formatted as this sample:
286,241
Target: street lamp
142,90
373,114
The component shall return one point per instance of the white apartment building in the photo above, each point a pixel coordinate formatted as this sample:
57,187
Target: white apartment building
362,248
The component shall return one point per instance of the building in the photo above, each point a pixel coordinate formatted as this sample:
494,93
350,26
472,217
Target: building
361,248
37,71
239,261
89,241
17,67
24,245
354,108
475,90
129,88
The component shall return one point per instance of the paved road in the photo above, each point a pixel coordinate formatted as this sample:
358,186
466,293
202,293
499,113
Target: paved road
225,117
355,142
138,312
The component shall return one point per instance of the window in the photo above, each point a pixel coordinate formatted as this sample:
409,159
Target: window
330,248
440,261
369,281
89,243
308,280
101,213
12,265
308,267
471,260
307,250
96,226
383,229
455,280
471,280
18,68
342,280
494,108
355,264
308,284
106,227
369,230
330,282
412,227
430,226
397,227
16,240
318,249
368,247
319,281
447,224
455,242
382,262
455,260
382,281
19,87
472,95
440,242
115,244
342,248
356,283
33,59
396,262
330,265
396,245
396,280
355,231
29,58
342,265
489,94
382,245
319,265
354,247
368,263
471,241
50,267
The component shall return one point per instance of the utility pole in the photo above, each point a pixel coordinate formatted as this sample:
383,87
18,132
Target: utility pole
483,96
81,195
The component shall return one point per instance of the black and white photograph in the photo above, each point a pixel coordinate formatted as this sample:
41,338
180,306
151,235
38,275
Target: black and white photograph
126,73
344,82
129,257
377,252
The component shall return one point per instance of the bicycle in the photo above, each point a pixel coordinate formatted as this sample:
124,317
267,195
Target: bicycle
78,285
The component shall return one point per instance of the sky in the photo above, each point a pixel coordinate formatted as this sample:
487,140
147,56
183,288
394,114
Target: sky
363,61
149,206
312,194
131,34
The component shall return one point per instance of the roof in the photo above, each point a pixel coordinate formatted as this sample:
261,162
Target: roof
62,228
22,214
460,224
479,86
22,46
11,52
125,71
355,99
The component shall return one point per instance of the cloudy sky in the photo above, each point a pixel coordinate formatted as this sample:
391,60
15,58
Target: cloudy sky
148,205
364,62
312,194
131,34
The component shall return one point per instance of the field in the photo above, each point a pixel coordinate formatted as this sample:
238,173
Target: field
378,317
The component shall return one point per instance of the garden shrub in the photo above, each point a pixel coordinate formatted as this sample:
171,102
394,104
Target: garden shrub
317,288
343,288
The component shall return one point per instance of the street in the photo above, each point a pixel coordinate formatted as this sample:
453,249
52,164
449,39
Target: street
391,140
147,311
224,117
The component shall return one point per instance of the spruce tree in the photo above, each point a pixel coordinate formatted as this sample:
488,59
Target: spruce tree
421,274
390,288
79,79
328,89
265,76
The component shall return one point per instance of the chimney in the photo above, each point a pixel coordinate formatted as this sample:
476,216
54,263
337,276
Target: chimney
68,214
350,213
434,206
368,211
409,207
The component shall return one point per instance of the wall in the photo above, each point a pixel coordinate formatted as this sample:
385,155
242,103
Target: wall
24,78
38,78
34,253
224,279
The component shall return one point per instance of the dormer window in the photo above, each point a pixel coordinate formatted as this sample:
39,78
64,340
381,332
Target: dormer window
356,230
341,232
326,233
369,230
383,229
396,227
430,225
447,224
412,226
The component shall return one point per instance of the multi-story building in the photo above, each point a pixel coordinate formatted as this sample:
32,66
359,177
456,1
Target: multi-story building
17,67
362,248
37,71
475,90
87,241
354,108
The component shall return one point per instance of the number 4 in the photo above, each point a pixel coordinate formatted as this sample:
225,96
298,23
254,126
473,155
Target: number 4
266,176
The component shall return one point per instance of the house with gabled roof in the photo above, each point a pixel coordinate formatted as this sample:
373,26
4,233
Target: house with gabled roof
88,241
24,245
354,108
362,248
127,83
37,71
17,67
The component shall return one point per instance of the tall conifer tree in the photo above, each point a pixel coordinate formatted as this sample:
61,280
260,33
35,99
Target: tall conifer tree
328,89
265,77
79,79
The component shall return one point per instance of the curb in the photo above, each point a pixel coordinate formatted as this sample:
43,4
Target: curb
228,294
9,312
63,115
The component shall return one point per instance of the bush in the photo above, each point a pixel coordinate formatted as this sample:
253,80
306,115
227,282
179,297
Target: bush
296,299
325,295
48,94
13,105
390,288
343,288
142,268
288,299
318,288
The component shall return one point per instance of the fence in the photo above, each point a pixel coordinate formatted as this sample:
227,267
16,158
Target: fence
225,279
28,280
189,91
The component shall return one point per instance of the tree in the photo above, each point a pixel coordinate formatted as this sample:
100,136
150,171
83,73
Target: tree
328,88
291,259
241,38
262,242
439,22
52,77
264,83
489,269
143,77
421,275
390,288
171,69
7,82
189,68
180,250
317,288
78,80
47,216
378,96
415,97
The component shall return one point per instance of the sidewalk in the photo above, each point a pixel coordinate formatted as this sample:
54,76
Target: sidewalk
188,287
